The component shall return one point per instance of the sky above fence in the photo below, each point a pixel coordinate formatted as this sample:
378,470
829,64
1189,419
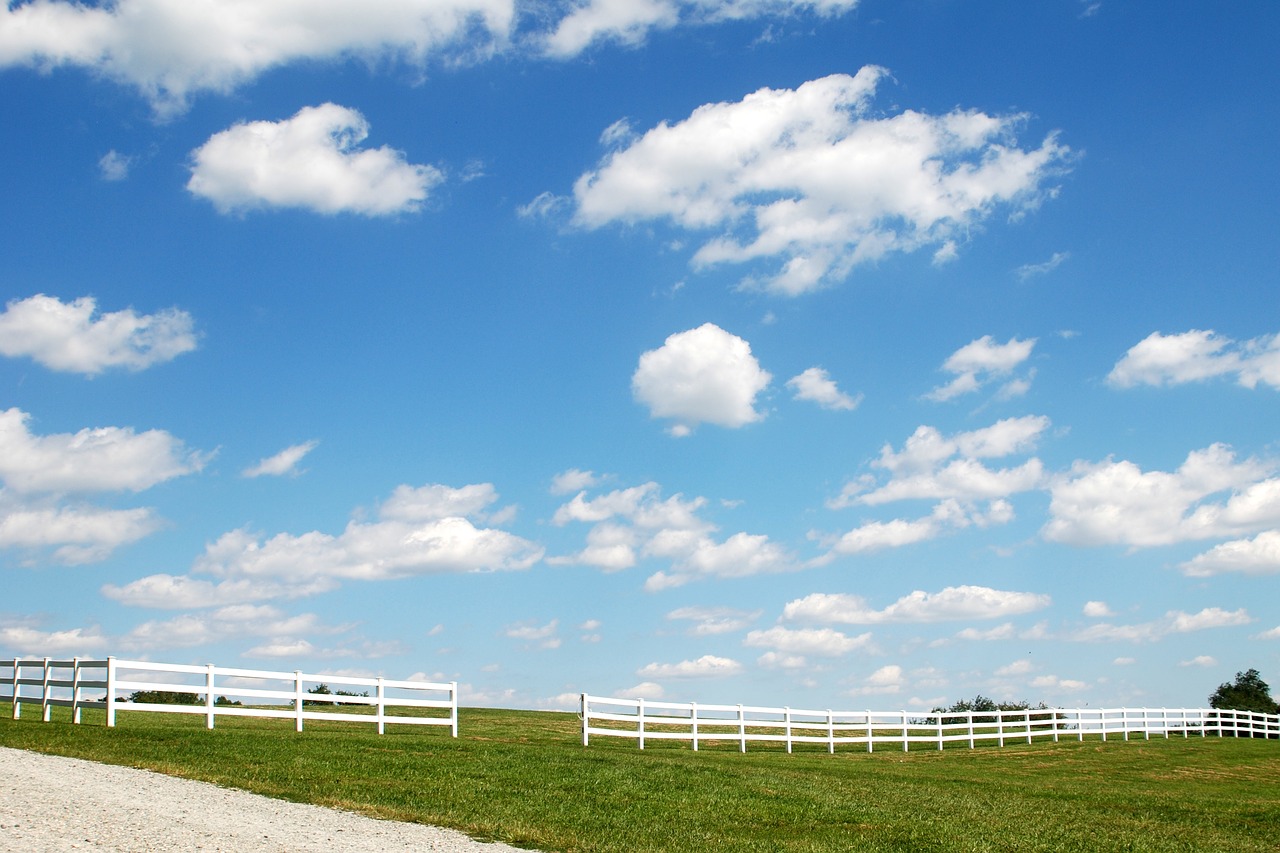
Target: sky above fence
843,353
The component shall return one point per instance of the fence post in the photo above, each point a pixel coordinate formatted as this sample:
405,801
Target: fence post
111,691
831,732
1000,726
742,729
44,693
382,707
939,732
585,719
1028,725
453,693
870,733
75,690
904,731
693,723
17,706
787,717
640,721
297,700
208,696
970,713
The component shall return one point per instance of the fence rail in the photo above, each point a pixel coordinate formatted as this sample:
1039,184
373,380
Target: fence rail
642,721
222,691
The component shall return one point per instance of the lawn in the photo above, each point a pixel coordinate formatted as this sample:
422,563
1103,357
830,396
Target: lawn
524,778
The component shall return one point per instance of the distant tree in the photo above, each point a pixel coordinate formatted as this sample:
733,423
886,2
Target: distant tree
981,704
318,690
223,701
164,697
1247,693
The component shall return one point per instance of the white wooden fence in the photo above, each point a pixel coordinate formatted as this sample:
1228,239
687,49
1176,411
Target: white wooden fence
642,720
51,683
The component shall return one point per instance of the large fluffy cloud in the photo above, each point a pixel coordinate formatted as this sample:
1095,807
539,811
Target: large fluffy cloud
91,460
418,531
312,161
73,337
952,603
171,49
1257,556
812,178
707,666
1119,503
704,375
1198,355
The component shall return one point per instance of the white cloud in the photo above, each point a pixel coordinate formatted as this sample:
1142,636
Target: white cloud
817,180
418,531
947,516
114,166
918,470
886,680
1018,667
105,459
1273,634
284,462
25,639
308,161
77,534
1257,556
825,642
816,386
573,480
1116,503
709,621
979,362
1200,661
543,636
227,623
950,604
635,523
707,666
704,375
643,690
628,22
1027,271
1196,356
778,660
172,49
1173,622
1097,610
73,337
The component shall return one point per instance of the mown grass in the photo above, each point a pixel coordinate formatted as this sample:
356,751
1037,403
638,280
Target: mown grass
524,778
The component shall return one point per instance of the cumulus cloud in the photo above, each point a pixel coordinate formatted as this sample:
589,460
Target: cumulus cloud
419,531
816,386
1196,356
23,639
886,680
933,466
1257,556
226,623
105,459
643,690
573,480
708,621
1117,503
953,603
816,180
824,642
704,375
542,636
282,463
114,166
309,161
73,337
1173,622
76,534
1097,610
171,49
980,362
628,22
947,516
707,666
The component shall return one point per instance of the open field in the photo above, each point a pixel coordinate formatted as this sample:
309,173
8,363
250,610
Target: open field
524,778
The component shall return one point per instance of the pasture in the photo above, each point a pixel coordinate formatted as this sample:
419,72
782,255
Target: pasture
523,777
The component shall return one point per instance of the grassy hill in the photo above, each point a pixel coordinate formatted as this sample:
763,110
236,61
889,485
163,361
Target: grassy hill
524,778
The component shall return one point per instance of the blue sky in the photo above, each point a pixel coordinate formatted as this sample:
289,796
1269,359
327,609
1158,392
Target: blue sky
829,354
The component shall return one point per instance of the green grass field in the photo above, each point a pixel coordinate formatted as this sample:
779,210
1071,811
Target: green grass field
524,778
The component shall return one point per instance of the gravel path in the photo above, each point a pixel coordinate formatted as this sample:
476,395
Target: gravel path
50,803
